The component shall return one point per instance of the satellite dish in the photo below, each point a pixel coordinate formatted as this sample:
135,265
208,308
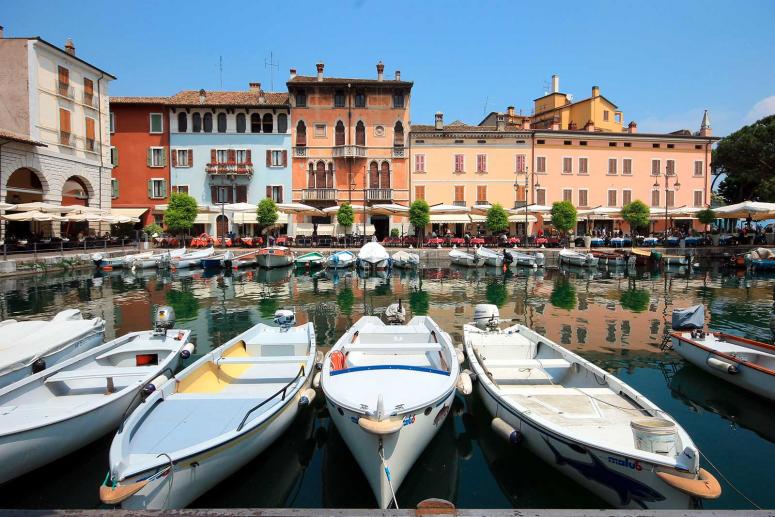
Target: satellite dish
570,97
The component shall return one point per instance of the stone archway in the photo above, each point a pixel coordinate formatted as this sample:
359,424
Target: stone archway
75,191
24,185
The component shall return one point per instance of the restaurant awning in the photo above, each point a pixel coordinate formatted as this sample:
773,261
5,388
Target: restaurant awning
202,219
128,212
521,218
250,218
450,218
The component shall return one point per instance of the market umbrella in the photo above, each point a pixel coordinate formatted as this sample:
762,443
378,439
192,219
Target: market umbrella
38,206
441,209
685,212
7,206
389,209
240,207
756,210
32,215
298,208
356,208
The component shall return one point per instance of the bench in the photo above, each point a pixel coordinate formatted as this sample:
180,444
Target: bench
263,360
394,348
528,363
99,373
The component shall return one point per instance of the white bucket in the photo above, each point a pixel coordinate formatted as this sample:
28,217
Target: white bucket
655,435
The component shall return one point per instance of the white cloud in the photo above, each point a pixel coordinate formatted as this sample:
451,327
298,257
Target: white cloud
761,109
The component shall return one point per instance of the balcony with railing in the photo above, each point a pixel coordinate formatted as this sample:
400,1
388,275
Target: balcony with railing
318,194
300,152
399,152
459,203
65,138
65,90
91,100
349,151
379,194
229,168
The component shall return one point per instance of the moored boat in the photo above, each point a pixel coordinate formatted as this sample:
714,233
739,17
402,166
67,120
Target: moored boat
274,256
588,424
28,347
212,418
461,258
373,256
310,260
222,260
103,262
575,258
606,258
160,260
341,259
490,257
244,260
645,257
389,389
522,259
55,412
743,362
192,258
404,259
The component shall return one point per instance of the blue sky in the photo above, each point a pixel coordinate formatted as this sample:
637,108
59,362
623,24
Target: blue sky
661,62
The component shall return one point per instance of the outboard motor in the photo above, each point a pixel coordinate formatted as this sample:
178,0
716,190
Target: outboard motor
486,316
508,258
284,318
395,314
163,320
691,318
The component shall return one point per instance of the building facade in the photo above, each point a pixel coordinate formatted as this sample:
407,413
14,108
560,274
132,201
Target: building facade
349,143
53,97
140,143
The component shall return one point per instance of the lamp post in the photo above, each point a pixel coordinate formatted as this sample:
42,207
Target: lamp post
518,184
676,187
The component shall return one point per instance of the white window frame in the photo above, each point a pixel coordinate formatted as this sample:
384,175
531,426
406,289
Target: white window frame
570,158
623,171
422,156
218,157
154,182
161,155
177,188
273,187
651,168
578,194
536,165
570,195
463,165
585,173
694,197
608,162
626,190
279,162
178,162
608,197
315,128
702,169
112,122
150,123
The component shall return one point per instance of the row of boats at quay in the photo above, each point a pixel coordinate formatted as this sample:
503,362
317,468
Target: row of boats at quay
388,386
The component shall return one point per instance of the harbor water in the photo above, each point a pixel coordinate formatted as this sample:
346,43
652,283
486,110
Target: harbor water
615,318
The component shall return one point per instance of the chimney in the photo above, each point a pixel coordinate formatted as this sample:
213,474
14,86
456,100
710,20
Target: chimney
705,129
255,87
510,111
555,83
1,32
380,71
293,74
632,127
500,122
590,126
69,47
526,123
556,123
398,75
595,91
439,120
320,67
202,95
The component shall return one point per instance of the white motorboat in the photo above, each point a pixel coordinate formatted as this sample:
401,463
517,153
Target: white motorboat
160,260
192,258
490,257
461,258
341,259
583,421
212,418
522,259
218,261
27,347
574,258
743,362
389,389
59,410
275,256
373,256
103,262
404,259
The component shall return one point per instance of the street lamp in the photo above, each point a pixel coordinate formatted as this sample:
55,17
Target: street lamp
676,187
526,182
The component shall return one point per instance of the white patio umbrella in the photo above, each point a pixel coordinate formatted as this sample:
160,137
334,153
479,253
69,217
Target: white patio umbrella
685,212
358,209
38,206
757,210
389,209
240,207
535,209
600,212
32,215
448,209
7,206
77,209
299,208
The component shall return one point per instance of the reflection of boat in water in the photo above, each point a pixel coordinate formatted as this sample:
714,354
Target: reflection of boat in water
273,276
699,390
587,273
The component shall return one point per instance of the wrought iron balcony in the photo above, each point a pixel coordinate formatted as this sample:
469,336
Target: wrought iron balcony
91,100
399,152
65,138
229,168
300,152
349,151
379,194
459,203
318,194
65,90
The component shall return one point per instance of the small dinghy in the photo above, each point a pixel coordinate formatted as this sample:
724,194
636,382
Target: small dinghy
245,260
108,263
491,258
310,260
609,258
389,389
27,347
274,256
645,257
583,421
341,259
461,258
213,417
743,362
161,260
521,259
222,260
574,258
59,410
193,258
404,259
374,257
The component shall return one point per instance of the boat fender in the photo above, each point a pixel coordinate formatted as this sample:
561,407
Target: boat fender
381,427
187,350
705,486
461,357
471,374
39,365
307,397
316,381
113,495
154,385
723,366
505,431
464,386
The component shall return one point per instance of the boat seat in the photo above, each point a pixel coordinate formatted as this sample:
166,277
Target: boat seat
101,373
263,360
394,348
531,371
142,346
529,363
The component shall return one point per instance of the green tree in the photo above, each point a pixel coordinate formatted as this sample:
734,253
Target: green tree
152,229
180,214
419,217
747,158
497,219
563,216
636,214
266,214
345,216
707,216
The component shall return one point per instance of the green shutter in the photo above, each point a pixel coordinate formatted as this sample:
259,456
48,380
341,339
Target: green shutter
163,159
115,187
163,188
115,156
150,189
149,157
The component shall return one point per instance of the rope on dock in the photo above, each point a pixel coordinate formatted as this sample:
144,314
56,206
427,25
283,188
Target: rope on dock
722,476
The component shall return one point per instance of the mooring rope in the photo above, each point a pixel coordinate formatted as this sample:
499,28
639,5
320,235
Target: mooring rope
387,474
722,476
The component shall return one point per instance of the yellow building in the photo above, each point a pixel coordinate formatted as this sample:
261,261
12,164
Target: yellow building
557,110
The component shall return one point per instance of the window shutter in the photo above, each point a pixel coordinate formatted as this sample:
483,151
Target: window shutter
269,190
163,188
269,160
64,120
114,185
281,194
285,158
90,128
419,192
115,156
150,189
163,159
174,154
242,193
232,155
248,157
213,156
190,157
149,158
213,194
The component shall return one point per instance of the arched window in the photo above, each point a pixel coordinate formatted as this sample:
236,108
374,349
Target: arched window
301,134
255,123
208,123
311,176
320,174
196,123
182,122
398,134
373,175
268,123
241,123
339,133
384,176
330,176
360,133
282,123
221,122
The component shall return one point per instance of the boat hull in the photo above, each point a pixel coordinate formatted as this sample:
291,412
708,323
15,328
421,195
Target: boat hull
466,261
270,261
380,265
577,259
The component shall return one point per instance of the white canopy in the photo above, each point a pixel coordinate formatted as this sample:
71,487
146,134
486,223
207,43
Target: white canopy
202,209
240,207
685,212
358,209
536,209
450,218
128,212
521,218
39,206
32,215
600,212
297,208
757,210
7,206
250,218
448,209
389,209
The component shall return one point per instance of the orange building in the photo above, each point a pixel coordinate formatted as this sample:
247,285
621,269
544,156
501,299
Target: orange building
349,142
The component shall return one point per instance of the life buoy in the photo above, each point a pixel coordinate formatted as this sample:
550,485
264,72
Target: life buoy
337,360
705,486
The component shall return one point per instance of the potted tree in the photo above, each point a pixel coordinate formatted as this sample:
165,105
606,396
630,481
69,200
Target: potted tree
563,217
419,217
636,214
706,217
266,215
345,217
497,219
180,213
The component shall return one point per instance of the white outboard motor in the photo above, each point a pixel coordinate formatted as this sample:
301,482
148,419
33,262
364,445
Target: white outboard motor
486,316
163,320
284,318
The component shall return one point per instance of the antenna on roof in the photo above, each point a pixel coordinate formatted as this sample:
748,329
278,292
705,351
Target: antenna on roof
271,65
486,100
220,69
